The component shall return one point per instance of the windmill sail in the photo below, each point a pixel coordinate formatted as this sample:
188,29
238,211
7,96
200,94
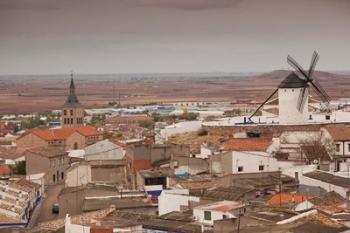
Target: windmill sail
302,99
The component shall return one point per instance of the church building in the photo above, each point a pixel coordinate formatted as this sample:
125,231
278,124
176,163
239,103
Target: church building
73,134
73,111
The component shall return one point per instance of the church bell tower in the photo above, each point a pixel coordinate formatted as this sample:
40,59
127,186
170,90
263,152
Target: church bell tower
72,111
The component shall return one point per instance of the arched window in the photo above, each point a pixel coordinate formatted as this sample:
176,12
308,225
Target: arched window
71,112
76,146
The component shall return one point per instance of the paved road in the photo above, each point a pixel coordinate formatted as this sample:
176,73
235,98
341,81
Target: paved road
49,199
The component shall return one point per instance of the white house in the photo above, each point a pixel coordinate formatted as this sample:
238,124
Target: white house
289,141
101,225
172,200
19,198
207,214
78,174
327,181
340,135
104,150
205,151
236,162
248,155
331,199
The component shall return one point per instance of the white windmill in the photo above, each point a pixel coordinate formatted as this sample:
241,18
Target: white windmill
293,93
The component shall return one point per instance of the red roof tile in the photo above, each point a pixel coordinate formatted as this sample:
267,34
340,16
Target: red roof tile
5,170
63,133
101,230
287,198
339,133
141,164
247,144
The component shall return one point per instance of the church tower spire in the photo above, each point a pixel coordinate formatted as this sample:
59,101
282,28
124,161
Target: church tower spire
72,99
72,86
72,112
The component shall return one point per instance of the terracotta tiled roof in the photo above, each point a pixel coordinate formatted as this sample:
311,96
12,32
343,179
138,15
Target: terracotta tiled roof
284,198
339,133
4,170
101,230
327,199
247,144
63,133
87,131
333,209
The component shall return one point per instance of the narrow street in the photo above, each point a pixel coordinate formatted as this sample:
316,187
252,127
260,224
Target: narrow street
48,200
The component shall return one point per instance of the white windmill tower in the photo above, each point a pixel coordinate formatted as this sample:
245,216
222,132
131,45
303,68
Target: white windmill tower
293,93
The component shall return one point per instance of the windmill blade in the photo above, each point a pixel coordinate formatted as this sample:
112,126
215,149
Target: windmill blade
313,63
257,110
324,93
291,61
319,92
302,99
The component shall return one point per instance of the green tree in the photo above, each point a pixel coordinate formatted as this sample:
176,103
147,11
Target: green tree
148,124
189,116
107,135
20,168
31,123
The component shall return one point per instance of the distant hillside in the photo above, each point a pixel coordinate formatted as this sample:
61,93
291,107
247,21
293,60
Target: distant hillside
40,93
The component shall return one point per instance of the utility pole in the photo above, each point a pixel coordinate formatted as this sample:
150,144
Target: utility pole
280,188
239,220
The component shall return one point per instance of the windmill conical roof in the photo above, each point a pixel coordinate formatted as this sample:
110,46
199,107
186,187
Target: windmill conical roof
293,81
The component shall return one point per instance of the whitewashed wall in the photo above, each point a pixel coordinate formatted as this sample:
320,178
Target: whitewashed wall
250,160
74,228
288,111
171,200
198,214
289,168
328,187
78,175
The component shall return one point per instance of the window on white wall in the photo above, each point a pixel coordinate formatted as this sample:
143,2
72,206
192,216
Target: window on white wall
240,168
261,167
207,215
348,147
337,147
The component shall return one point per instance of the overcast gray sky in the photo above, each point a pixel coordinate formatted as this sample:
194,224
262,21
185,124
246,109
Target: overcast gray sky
137,36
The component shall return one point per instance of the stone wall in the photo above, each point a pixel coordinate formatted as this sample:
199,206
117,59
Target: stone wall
30,141
275,129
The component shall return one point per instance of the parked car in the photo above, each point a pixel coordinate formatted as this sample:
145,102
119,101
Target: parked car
55,208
